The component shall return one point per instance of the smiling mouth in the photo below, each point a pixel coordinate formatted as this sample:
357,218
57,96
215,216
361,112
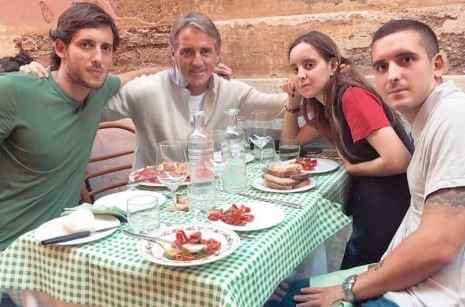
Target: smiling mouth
197,72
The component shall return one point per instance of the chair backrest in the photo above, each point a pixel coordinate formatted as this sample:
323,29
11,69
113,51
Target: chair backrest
111,159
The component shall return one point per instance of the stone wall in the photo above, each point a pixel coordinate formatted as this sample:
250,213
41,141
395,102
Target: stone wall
256,33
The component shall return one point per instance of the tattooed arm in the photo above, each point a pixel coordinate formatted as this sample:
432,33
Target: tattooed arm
432,246
435,244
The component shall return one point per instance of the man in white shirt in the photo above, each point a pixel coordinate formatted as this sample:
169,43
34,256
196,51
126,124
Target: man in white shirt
160,104
424,265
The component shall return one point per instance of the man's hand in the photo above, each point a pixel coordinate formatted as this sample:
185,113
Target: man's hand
34,68
325,296
223,70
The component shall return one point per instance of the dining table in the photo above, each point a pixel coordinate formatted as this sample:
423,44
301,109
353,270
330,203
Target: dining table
111,271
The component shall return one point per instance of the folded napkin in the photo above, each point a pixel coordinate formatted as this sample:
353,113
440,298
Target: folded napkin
115,211
336,278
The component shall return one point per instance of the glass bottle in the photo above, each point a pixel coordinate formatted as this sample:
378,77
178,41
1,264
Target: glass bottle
201,170
235,173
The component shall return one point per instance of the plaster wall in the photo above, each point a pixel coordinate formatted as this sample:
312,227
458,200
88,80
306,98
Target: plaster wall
256,33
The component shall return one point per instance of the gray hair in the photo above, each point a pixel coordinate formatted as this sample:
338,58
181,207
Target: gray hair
198,20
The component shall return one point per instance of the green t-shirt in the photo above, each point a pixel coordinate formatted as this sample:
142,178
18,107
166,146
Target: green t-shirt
45,141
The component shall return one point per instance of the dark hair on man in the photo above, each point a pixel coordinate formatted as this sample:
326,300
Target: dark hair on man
79,16
428,39
12,63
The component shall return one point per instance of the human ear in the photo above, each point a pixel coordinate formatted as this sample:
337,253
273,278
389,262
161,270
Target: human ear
440,63
60,48
333,64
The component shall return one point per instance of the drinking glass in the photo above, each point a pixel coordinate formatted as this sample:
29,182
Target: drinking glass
289,148
221,156
172,166
268,153
260,133
143,212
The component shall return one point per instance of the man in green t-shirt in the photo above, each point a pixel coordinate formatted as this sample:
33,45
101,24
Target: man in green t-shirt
47,126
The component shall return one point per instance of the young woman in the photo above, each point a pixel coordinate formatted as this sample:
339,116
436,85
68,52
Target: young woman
369,137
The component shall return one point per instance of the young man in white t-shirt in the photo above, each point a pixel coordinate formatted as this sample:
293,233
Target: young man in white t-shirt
425,263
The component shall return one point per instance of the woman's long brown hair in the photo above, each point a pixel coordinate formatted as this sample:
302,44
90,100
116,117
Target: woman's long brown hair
326,115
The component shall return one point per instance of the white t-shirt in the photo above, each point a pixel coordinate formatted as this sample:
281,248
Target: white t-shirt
437,163
196,103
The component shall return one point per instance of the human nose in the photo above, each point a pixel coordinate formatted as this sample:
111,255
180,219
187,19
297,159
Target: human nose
97,56
301,73
197,60
393,73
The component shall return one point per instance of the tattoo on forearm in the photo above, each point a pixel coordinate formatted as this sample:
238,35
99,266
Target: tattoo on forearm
454,197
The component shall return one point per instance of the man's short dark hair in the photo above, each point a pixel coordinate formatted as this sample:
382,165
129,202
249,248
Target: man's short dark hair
12,63
428,39
79,16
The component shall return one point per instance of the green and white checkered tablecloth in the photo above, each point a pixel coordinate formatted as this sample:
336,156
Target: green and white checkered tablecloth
110,272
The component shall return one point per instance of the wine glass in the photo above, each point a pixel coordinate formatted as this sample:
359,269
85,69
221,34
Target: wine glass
172,166
260,134
289,148
221,156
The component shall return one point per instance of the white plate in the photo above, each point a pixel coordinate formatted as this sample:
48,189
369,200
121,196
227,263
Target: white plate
151,184
154,253
120,199
265,215
54,228
322,166
259,184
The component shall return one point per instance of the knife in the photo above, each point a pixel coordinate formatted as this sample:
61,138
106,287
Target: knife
273,201
74,236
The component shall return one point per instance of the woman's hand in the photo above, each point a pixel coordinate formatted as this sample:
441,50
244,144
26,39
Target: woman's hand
294,97
325,296
34,68
350,167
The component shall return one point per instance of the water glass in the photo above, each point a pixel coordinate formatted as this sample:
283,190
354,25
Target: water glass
289,148
268,153
172,165
260,134
143,212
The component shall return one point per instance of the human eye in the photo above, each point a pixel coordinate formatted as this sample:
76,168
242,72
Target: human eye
380,67
407,59
107,48
308,65
187,52
206,52
85,44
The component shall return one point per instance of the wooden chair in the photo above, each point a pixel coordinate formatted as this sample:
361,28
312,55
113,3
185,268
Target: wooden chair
106,160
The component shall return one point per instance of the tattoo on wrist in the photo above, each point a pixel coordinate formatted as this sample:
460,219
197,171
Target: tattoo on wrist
379,265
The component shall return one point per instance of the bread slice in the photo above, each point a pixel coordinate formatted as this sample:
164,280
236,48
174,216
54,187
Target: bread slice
303,183
284,170
301,176
280,180
273,185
